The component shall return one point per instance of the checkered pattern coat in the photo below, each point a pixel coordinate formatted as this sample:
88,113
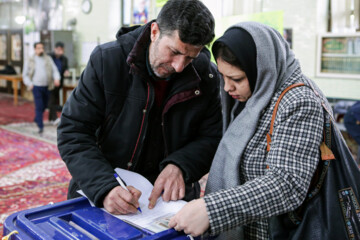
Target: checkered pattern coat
292,161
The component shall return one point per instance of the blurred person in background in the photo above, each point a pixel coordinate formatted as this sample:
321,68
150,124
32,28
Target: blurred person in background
61,63
40,76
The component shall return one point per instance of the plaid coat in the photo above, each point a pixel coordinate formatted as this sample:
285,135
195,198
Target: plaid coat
292,160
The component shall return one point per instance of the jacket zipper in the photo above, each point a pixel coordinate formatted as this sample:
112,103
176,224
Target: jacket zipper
139,150
141,127
165,110
196,94
163,132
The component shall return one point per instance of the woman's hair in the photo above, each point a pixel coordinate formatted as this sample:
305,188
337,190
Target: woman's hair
220,50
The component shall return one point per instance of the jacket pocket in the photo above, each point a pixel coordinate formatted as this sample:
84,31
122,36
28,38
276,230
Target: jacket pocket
104,129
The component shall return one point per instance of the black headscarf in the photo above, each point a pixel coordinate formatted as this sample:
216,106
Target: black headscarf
242,45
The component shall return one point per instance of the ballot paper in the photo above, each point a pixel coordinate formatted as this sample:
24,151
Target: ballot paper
151,220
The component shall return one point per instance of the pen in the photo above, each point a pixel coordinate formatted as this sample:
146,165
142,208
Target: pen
123,186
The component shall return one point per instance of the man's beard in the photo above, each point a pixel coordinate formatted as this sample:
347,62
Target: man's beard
170,71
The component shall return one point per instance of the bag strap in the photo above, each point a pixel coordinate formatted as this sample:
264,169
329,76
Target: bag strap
330,115
325,147
268,136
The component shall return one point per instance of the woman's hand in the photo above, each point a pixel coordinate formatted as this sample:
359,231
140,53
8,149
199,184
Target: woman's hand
192,218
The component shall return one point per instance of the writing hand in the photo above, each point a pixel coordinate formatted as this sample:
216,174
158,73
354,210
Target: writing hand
120,201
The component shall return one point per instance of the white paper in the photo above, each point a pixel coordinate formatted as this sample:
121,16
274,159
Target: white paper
83,194
156,219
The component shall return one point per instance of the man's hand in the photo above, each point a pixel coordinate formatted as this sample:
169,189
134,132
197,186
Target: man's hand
57,82
192,218
170,182
31,87
120,201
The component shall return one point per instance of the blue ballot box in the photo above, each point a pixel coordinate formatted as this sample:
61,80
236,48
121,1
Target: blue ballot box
76,219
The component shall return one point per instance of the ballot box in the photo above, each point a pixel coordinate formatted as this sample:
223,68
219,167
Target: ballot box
76,219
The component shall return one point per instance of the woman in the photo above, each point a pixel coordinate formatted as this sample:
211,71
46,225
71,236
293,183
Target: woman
247,185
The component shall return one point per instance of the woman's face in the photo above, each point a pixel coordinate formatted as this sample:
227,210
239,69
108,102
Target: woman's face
236,81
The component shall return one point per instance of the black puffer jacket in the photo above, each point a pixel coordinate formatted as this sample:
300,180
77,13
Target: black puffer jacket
103,123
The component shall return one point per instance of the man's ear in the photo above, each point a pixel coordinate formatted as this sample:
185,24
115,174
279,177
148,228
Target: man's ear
155,31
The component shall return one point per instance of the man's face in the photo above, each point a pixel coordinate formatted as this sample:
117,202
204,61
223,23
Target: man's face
39,49
168,54
59,51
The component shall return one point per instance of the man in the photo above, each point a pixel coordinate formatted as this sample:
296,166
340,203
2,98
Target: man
40,75
147,102
61,63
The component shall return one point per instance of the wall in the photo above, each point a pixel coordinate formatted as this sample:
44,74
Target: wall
307,18
99,26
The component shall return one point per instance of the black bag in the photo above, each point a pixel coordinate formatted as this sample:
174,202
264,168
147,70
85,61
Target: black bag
331,209
8,70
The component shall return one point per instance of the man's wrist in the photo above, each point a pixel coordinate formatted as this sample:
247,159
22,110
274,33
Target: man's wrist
176,165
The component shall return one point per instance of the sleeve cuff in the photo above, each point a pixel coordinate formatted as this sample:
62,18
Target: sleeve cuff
165,162
100,196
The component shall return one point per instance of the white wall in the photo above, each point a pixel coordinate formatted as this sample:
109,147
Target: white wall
307,19
99,26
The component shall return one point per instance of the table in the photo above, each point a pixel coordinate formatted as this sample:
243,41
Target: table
15,79
65,89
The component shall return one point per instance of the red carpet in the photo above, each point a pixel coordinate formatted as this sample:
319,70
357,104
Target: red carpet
23,112
31,174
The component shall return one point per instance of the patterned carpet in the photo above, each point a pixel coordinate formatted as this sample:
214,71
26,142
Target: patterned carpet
31,174
30,130
23,112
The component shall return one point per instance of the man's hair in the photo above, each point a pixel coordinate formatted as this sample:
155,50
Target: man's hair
59,44
191,18
35,44
220,50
